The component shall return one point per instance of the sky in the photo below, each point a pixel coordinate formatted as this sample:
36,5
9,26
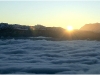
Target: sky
50,13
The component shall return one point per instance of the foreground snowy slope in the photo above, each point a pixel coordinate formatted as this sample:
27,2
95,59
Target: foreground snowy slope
49,57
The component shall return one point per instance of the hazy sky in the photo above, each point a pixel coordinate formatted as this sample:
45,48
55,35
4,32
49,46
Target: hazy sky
50,13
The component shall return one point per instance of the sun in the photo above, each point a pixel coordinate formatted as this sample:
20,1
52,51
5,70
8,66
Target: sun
69,28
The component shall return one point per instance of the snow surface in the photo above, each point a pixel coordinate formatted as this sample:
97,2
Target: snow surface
49,57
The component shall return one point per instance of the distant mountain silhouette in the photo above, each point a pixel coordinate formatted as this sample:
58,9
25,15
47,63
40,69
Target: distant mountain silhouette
87,32
95,27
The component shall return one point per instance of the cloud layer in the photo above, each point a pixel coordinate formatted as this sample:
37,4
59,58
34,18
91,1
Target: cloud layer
49,57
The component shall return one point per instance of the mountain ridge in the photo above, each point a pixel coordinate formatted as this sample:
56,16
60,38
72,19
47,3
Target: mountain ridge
94,27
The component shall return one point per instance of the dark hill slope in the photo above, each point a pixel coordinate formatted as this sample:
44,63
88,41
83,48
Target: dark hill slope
95,27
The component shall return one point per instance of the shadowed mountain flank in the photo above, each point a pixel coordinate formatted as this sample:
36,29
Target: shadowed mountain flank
95,27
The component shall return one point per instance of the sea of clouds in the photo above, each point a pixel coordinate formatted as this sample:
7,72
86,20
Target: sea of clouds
25,56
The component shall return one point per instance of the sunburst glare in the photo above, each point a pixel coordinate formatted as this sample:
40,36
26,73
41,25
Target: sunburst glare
69,28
